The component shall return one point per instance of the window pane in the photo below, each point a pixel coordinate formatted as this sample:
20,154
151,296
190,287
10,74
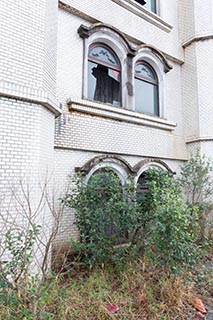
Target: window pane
151,5
104,55
143,71
103,84
146,97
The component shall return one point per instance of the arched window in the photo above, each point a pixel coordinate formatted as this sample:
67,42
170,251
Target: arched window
104,75
107,192
146,89
142,186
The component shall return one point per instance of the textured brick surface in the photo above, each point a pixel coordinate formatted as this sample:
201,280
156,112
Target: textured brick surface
41,54
28,43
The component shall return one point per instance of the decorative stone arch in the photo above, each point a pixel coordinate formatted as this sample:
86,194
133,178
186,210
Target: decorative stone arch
147,164
158,62
116,41
118,165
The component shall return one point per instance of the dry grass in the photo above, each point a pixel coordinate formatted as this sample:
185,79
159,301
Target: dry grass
140,290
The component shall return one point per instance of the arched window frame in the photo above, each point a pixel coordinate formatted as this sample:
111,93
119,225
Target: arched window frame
116,67
150,165
146,56
109,164
118,46
128,55
153,81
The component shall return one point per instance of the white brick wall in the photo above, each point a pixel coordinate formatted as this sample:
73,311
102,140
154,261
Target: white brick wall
26,161
92,133
41,56
83,132
113,14
28,43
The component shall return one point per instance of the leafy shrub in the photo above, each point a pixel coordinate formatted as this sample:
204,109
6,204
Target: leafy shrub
196,179
197,183
106,215
173,232
159,222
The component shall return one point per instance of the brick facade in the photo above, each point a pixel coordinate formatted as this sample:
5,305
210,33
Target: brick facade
43,76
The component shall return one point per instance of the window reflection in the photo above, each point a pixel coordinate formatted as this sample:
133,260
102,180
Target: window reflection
103,77
146,90
151,5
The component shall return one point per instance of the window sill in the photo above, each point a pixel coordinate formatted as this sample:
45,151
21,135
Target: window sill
147,15
119,114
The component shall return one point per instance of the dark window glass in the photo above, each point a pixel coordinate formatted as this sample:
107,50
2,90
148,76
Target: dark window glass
103,76
142,185
149,4
146,90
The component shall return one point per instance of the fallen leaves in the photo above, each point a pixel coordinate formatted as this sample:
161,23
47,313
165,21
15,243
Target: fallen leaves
198,304
112,308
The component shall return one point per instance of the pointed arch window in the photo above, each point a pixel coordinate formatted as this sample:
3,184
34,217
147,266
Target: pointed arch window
146,89
104,75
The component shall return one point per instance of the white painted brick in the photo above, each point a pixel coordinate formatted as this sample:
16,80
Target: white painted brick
41,54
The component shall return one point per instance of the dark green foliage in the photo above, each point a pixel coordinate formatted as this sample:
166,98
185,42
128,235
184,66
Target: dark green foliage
197,183
116,222
173,231
105,216
19,244
15,284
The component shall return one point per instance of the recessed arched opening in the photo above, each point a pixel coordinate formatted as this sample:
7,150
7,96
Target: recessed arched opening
107,196
142,177
104,75
146,89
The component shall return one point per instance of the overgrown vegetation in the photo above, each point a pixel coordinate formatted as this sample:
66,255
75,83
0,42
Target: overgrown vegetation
25,253
105,216
116,223
139,256
197,183
173,231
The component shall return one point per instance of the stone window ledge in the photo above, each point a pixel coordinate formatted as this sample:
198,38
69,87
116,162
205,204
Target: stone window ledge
147,15
119,114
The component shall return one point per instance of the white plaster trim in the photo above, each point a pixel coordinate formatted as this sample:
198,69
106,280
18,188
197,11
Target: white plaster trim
201,139
118,113
114,42
24,93
142,12
111,164
145,54
196,38
147,166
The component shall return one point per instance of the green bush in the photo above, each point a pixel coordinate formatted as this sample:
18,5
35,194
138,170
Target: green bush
197,182
173,231
196,179
116,222
107,217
